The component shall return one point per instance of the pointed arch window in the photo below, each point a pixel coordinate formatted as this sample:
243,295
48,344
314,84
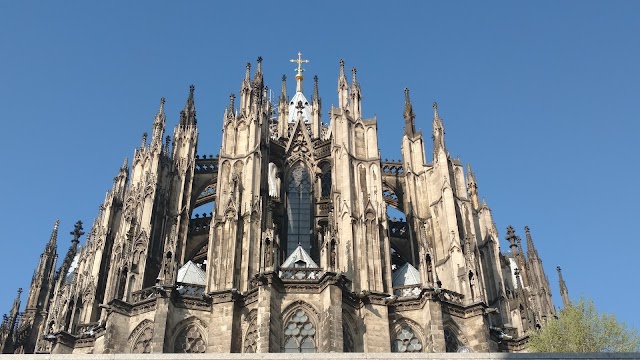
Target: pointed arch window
298,209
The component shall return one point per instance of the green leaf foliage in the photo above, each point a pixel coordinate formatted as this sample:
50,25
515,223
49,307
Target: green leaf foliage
580,328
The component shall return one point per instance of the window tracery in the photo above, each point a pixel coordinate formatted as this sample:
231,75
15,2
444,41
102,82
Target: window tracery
189,341
250,340
406,341
143,343
300,334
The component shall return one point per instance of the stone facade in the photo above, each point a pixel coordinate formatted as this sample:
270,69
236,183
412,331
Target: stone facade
296,252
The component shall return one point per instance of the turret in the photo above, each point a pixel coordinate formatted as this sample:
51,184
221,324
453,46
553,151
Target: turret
564,292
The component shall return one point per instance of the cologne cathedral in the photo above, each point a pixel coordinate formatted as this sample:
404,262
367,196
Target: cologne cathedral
295,252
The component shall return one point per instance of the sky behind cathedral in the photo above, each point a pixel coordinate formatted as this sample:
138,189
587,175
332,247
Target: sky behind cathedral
537,97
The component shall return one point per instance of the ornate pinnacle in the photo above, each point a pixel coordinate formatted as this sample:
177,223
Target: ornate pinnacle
511,237
353,74
77,231
409,116
232,98
125,163
144,141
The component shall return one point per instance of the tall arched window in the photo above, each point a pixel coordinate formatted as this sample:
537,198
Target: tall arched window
298,209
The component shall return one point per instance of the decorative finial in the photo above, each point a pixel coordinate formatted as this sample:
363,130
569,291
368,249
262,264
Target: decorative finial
162,101
144,141
125,163
259,59
56,225
77,231
284,78
353,74
435,106
232,98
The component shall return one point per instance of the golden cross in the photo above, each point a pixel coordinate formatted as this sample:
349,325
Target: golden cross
300,62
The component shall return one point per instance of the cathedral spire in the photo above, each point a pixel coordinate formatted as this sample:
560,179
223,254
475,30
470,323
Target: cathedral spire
564,292
299,71
188,115
409,115
438,130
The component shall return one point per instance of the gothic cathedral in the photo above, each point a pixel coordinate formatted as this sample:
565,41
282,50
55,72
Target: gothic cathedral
296,251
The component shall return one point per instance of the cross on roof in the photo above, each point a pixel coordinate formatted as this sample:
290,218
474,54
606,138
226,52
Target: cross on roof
299,61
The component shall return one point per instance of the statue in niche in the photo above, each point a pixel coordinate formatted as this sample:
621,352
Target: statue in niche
274,181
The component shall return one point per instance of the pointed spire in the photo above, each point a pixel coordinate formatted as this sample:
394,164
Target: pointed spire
470,175
258,78
532,253
343,87
564,292
316,93
125,164
438,129
354,71
283,93
188,115
51,245
160,116
143,143
409,116
247,75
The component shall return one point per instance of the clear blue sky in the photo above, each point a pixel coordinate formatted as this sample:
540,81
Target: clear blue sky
537,96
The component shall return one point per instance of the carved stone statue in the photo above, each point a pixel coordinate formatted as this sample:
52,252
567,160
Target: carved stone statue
274,181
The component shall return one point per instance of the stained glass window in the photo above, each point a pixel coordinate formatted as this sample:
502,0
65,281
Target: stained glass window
298,209
189,341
